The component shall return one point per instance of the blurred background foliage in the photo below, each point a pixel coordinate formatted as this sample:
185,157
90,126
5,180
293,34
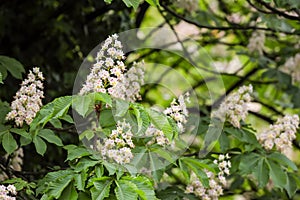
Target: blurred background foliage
58,35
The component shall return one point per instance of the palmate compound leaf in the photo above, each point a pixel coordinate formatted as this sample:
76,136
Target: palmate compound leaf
101,188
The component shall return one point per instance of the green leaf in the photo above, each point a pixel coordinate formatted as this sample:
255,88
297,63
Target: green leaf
277,174
283,160
198,168
133,3
69,193
40,145
88,134
153,2
80,180
56,123
56,188
107,119
161,122
125,190
120,107
76,152
21,132
101,188
261,172
142,118
9,143
248,163
82,104
25,141
13,66
85,163
61,106
49,136
103,97
145,188
108,1
291,185
156,166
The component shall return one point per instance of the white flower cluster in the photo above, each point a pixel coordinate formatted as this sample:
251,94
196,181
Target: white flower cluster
178,110
158,136
108,69
28,99
216,183
281,134
130,85
235,107
8,193
257,42
108,73
292,67
119,144
189,5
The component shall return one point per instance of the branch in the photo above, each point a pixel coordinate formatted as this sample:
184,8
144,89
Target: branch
278,12
224,27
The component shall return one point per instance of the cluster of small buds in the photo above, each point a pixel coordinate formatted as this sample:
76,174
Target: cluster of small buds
119,144
189,5
108,69
292,67
8,193
178,110
257,42
158,136
281,134
28,99
216,183
129,87
235,107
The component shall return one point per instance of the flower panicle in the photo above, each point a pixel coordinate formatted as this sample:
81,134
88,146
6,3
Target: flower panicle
235,107
119,144
8,192
281,134
28,99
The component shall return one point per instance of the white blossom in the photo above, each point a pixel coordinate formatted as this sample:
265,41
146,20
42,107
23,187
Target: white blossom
292,67
216,183
178,110
158,137
119,144
108,74
8,193
28,99
235,107
281,134
257,42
